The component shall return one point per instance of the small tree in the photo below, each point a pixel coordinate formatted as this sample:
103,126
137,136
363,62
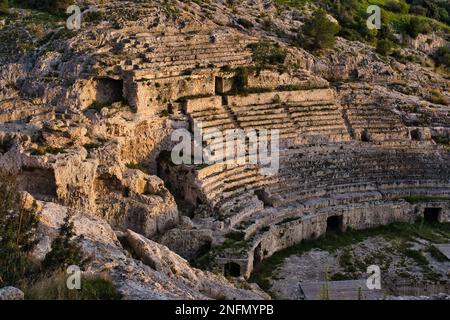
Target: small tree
64,251
17,234
384,47
417,26
52,6
442,56
4,7
319,31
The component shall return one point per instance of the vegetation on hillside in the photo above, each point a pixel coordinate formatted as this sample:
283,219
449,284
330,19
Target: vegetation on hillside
402,234
46,279
410,17
319,32
4,7
52,6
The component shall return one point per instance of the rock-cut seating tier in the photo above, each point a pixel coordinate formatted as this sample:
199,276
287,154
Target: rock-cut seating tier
162,56
302,116
315,178
375,123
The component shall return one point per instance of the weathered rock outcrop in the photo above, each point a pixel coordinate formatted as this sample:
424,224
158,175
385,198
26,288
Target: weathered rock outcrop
157,273
11,293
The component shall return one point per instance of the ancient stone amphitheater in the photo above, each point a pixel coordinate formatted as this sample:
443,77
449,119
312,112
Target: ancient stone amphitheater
87,127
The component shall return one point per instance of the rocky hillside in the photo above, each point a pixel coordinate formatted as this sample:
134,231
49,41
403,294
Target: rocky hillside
86,115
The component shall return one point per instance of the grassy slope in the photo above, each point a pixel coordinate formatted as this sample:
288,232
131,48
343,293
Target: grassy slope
398,20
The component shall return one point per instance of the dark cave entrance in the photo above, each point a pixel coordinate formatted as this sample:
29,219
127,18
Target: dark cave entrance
431,215
232,269
257,255
109,90
365,137
415,135
6,144
335,224
262,195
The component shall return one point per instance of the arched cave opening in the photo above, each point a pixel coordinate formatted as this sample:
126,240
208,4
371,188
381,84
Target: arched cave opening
415,135
431,215
109,90
262,195
335,224
232,269
365,136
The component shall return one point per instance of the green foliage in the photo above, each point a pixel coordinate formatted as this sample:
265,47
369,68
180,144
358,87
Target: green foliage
417,26
384,47
164,113
268,55
64,251
442,56
396,6
132,165
235,235
319,32
417,199
18,239
397,16
52,6
436,233
45,150
4,7
17,228
240,82
438,10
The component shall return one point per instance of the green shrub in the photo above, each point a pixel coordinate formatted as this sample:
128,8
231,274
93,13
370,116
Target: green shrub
268,54
52,6
319,32
417,26
41,151
4,7
64,252
240,82
17,229
384,47
397,6
132,165
235,235
163,113
442,56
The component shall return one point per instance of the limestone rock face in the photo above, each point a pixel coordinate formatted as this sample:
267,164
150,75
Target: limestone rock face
87,120
160,258
158,274
188,243
11,293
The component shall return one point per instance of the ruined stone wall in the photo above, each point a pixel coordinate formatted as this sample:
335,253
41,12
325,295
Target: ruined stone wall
151,96
284,235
